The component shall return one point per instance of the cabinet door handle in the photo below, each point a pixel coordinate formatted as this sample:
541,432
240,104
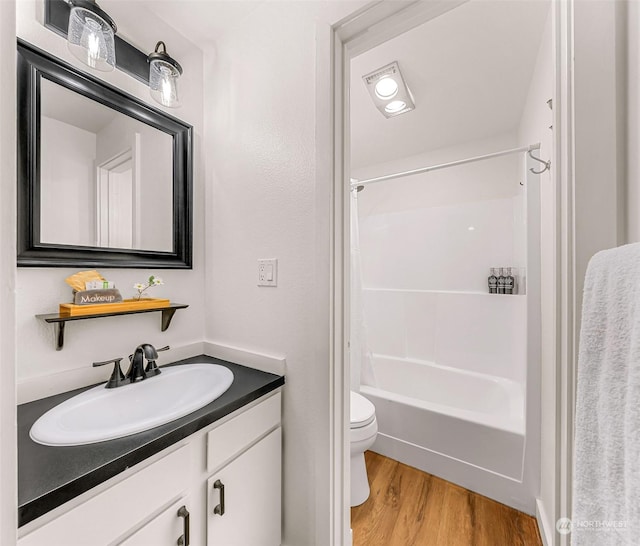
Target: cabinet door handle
184,513
220,508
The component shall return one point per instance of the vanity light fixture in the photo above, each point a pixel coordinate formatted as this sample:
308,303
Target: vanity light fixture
164,72
90,36
389,91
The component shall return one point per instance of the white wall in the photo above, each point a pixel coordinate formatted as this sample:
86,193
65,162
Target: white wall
534,127
633,128
42,370
600,119
594,189
261,146
66,191
590,171
8,469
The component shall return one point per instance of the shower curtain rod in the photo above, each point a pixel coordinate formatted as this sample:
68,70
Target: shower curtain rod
529,148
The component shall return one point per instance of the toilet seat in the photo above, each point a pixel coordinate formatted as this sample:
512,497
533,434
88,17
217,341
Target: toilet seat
363,412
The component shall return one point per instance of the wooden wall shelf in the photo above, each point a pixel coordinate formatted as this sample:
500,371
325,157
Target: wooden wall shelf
60,320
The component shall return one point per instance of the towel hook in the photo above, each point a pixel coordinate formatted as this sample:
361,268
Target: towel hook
547,164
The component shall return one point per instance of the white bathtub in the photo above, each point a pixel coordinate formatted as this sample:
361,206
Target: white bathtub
463,426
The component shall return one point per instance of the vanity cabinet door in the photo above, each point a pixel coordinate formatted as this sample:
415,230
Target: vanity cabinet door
250,486
169,528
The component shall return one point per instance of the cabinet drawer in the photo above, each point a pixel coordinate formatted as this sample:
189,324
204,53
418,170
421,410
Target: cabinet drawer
111,513
165,529
230,438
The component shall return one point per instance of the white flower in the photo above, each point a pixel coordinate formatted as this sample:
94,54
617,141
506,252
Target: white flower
142,287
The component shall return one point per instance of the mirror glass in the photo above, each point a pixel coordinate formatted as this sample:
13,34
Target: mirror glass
106,178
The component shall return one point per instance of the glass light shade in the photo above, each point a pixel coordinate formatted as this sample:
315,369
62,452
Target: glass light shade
395,107
163,82
386,88
91,39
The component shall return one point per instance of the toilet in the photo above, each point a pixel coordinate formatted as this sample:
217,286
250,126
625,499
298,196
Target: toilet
364,428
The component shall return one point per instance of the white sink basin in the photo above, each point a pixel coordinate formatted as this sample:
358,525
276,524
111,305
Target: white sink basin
100,414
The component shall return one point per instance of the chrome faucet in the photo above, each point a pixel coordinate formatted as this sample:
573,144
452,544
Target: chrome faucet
137,371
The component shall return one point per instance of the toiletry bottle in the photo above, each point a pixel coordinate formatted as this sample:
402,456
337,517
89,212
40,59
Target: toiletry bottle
493,282
501,280
508,282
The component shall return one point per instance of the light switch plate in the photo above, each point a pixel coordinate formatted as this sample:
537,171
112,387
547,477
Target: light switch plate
268,272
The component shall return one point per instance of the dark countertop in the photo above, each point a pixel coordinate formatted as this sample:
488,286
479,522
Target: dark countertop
50,476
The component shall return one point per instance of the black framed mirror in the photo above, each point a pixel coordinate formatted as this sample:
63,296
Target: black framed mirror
103,178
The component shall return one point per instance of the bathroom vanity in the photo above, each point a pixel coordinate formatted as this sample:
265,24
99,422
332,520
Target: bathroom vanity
210,478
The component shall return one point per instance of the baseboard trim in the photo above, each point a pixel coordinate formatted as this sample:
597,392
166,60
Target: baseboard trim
544,526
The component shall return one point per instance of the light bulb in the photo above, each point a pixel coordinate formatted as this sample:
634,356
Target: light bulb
92,40
395,106
386,88
166,92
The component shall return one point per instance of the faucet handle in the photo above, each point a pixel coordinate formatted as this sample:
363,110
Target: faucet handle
152,368
117,377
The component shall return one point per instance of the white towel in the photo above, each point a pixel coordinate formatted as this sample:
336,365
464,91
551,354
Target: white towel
606,474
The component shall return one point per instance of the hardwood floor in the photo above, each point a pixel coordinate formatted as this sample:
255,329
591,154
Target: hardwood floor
408,507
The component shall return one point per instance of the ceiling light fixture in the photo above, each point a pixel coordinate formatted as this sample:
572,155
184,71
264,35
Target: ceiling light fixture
164,72
90,36
389,91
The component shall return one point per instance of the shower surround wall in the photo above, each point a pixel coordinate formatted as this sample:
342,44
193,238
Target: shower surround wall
436,335
472,332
